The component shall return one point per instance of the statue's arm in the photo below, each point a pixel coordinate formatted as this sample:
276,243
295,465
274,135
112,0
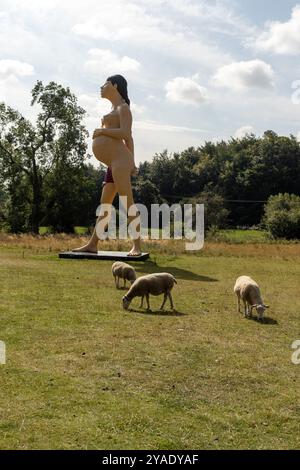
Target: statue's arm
130,144
124,131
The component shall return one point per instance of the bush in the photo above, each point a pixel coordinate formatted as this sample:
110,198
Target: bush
282,216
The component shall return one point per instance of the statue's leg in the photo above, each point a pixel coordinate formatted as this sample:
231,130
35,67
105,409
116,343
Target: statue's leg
121,175
107,197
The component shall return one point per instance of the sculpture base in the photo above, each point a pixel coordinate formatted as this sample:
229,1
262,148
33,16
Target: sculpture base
104,255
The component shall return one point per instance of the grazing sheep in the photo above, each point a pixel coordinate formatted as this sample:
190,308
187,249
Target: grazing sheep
123,271
154,284
248,290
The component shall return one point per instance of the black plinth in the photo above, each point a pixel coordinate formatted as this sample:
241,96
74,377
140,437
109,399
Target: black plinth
103,255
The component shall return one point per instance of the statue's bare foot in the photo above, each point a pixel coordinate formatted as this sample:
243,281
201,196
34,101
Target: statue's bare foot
134,252
86,249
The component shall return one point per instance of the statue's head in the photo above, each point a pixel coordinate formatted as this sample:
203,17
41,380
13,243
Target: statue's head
115,84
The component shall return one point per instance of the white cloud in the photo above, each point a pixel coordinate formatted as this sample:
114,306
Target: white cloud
93,105
218,17
243,131
185,90
167,38
15,68
281,38
104,60
15,94
96,107
137,108
14,37
159,126
152,98
152,137
134,25
245,74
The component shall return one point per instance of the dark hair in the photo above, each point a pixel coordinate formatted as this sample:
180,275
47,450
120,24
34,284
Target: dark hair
121,86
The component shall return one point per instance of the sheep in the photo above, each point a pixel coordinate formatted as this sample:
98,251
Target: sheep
123,271
248,290
154,284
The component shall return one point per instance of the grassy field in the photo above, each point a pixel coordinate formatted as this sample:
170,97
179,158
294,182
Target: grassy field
83,374
242,236
228,235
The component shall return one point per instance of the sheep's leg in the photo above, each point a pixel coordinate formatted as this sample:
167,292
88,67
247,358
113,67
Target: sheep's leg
147,300
124,282
118,282
246,309
238,303
115,281
171,301
142,301
250,310
165,298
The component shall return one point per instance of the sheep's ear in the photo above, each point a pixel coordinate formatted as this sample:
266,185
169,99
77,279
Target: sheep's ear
254,306
266,306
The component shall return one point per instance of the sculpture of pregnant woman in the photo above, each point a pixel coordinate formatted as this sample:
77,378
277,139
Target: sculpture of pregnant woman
113,145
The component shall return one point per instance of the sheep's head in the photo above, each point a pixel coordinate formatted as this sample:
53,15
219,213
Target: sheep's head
260,309
126,302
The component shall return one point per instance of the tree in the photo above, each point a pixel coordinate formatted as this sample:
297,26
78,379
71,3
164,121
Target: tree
71,196
58,136
215,213
282,216
147,193
3,206
162,173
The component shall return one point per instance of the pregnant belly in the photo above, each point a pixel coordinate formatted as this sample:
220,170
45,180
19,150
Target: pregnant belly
103,148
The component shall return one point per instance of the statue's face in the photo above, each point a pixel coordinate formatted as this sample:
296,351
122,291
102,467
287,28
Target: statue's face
107,89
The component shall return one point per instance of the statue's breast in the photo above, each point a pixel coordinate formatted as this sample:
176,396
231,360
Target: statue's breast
111,120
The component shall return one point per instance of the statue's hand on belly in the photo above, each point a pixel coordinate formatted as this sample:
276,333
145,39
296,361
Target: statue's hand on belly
97,133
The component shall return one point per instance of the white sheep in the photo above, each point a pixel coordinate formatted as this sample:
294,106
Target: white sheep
123,271
154,284
248,290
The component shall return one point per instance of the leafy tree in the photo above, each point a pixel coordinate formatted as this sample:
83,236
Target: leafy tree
215,213
71,196
3,207
58,136
162,173
145,192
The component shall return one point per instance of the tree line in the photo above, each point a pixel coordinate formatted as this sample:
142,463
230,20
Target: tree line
45,179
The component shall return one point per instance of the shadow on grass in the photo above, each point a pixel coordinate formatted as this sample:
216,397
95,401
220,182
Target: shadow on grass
151,267
264,321
164,313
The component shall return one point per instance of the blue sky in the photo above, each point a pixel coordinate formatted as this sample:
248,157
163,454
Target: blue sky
261,11
197,70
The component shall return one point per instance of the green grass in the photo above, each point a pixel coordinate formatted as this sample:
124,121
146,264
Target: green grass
44,230
83,374
78,230
242,236
227,236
